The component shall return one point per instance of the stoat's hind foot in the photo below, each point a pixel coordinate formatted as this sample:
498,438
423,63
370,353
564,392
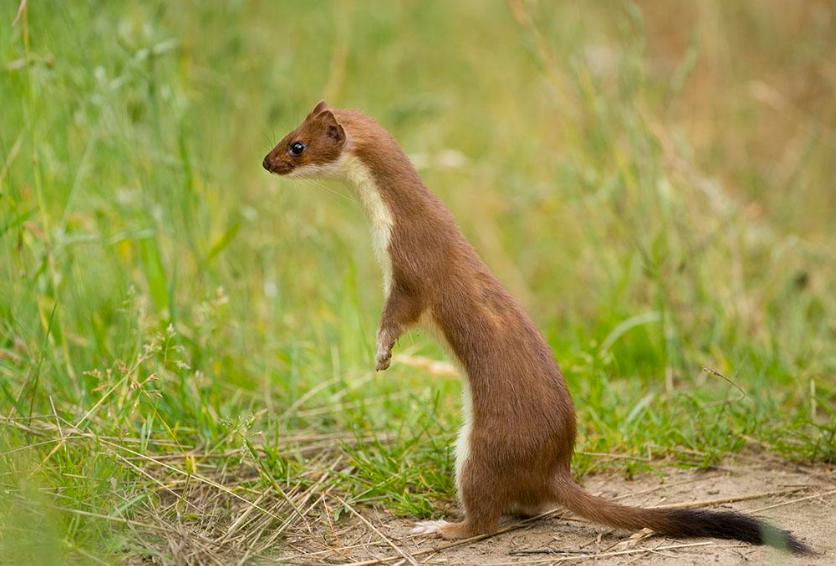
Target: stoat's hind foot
428,528
443,529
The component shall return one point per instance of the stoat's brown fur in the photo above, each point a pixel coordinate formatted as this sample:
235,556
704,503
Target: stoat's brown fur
515,448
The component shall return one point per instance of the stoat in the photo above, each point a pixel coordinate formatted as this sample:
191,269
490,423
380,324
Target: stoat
514,450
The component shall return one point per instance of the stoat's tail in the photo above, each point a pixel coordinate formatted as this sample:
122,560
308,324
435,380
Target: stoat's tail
676,523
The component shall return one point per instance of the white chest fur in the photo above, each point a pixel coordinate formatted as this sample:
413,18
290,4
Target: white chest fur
380,216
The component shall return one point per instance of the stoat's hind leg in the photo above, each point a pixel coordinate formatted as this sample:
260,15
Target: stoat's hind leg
482,502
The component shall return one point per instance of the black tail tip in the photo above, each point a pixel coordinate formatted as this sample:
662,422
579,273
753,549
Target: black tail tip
782,539
732,525
791,544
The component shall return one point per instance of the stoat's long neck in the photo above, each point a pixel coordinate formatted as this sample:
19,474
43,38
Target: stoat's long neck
358,175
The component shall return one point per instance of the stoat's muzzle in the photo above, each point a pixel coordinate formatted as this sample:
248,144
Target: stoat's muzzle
276,164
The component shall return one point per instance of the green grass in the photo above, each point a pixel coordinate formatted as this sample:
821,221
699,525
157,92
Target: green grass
182,335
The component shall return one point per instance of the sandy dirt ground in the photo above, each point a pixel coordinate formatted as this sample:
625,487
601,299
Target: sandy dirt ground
800,499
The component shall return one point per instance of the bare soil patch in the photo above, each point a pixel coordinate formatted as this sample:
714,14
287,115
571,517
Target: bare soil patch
801,499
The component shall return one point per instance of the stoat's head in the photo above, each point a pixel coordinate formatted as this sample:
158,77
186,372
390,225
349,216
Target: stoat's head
313,149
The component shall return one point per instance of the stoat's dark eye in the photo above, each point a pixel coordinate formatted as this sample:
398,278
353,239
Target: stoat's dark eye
296,148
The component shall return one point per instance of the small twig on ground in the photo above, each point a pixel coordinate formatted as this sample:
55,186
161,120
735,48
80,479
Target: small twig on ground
721,501
242,517
793,501
554,560
657,488
383,537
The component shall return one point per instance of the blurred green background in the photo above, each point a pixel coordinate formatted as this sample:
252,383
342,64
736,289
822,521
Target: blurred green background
186,343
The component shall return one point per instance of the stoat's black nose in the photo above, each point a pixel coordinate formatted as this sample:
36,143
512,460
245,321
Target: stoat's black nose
266,163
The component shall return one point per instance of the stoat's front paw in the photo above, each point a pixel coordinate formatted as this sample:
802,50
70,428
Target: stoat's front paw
383,359
428,528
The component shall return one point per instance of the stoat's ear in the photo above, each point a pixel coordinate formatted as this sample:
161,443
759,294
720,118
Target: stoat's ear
318,108
333,129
